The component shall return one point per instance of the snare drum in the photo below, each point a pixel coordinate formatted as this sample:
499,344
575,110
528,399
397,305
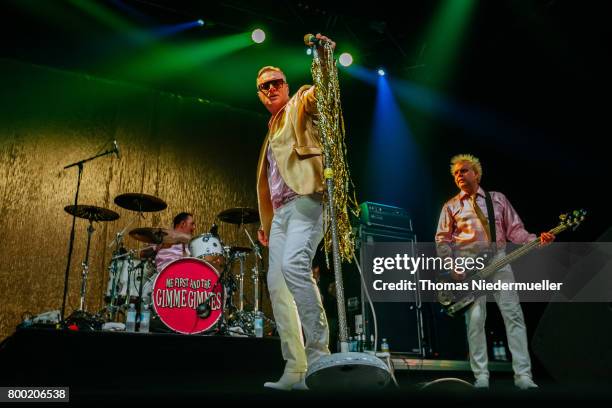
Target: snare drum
180,288
209,248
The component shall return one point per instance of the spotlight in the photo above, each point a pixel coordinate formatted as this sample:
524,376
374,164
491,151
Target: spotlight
381,72
345,59
200,22
308,51
258,36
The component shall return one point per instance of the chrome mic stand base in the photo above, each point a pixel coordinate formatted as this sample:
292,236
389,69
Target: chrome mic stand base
348,371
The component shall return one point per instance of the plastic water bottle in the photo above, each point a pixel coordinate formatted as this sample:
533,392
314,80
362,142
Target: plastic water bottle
502,352
355,343
258,325
130,321
384,346
145,319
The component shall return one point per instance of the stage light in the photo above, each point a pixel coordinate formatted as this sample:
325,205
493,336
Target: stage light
258,36
200,22
381,72
308,51
345,59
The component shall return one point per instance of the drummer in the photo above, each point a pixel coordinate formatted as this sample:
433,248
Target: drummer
184,226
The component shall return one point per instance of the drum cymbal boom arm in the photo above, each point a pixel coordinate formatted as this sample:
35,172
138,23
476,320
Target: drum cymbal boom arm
119,237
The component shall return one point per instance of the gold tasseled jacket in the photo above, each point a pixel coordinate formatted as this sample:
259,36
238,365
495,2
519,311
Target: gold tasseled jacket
296,146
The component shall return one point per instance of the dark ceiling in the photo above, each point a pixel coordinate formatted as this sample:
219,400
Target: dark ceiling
540,64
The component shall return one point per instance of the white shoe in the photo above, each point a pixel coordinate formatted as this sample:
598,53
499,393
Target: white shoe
481,382
524,382
286,382
301,386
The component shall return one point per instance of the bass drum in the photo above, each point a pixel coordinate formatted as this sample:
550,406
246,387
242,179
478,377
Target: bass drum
180,288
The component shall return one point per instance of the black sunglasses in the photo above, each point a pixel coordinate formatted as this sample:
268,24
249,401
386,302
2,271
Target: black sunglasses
277,83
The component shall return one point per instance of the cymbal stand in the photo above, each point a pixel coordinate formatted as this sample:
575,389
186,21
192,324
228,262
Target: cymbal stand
255,270
85,265
229,282
241,259
258,261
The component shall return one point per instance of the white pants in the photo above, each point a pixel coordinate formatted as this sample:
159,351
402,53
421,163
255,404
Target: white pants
297,229
508,303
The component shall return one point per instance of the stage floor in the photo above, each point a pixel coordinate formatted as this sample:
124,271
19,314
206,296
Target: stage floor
122,367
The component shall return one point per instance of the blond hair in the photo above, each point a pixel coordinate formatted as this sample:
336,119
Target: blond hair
270,68
471,159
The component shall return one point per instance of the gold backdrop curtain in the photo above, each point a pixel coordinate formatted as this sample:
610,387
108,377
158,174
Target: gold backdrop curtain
196,155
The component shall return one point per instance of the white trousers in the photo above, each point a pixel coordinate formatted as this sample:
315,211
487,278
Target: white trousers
297,229
516,332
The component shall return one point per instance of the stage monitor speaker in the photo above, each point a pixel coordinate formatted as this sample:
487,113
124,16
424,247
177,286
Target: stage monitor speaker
572,341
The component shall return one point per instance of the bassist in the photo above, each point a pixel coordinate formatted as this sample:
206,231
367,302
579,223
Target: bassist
465,225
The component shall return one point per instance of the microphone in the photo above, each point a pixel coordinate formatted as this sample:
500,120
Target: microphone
203,310
116,146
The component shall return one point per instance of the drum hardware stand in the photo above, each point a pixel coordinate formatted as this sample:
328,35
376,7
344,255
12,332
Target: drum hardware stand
246,319
229,280
111,308
85,265
78,164
114,271
255,270
118,240
241,258
81,317
141,266
229,285
238,315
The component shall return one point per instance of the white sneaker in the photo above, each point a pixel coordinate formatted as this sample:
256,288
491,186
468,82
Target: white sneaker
286,382
481,382
524,382
301,386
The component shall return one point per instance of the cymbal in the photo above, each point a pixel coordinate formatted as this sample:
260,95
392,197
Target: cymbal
91,212
239,215
151,235
140,202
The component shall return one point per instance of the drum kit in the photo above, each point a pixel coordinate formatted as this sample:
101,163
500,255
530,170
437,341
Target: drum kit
191,294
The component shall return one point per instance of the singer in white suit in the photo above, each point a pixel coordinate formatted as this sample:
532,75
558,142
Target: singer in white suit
289,189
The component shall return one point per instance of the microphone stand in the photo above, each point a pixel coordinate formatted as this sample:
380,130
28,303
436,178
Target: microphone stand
344,370
78,164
